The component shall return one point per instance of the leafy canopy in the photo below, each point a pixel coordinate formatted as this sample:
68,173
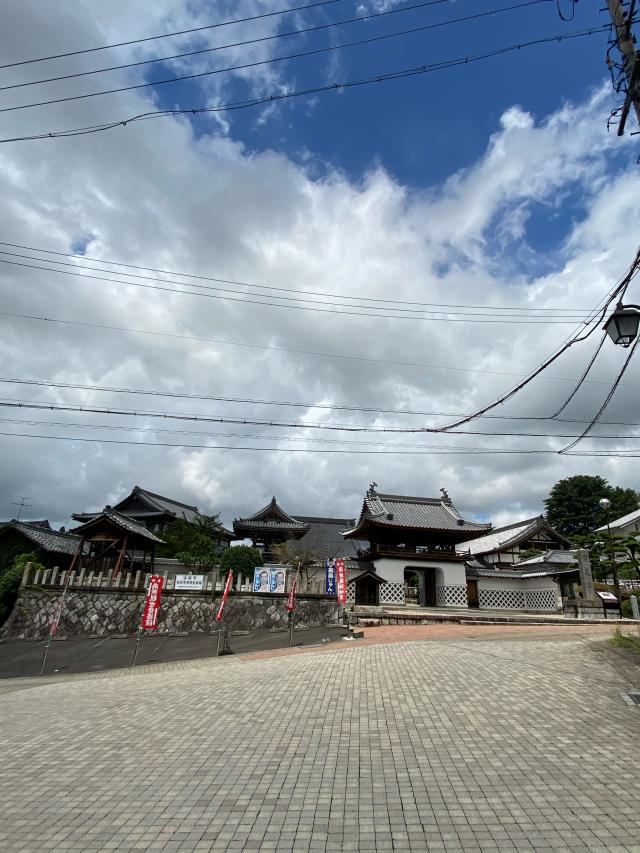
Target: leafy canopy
573,504
241,559
194,544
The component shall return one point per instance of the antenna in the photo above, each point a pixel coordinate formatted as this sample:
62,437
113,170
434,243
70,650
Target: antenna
24,502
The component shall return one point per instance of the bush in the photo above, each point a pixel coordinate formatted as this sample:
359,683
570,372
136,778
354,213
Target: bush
242,558
10,583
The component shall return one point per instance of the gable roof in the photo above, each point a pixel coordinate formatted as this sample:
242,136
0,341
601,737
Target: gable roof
44,537
409,512
502,538
159,503
324,537
270,517
629,518
123,522
553,558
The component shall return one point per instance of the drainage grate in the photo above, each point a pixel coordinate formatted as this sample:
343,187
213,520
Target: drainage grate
635,698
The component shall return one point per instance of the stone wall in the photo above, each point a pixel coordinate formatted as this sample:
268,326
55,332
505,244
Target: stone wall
94,612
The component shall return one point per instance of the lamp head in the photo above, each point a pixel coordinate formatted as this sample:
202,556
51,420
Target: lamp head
605,503
622,325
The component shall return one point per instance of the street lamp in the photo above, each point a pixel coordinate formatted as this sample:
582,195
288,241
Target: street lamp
622,327
605,506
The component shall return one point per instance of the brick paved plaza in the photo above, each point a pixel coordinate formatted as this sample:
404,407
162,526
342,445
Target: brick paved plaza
461,744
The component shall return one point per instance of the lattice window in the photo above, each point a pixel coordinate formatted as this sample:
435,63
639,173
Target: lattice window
351,592
391,593
505,599
540,599
451,596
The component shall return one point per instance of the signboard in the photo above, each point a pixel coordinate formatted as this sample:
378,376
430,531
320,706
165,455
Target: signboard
152,603
330,577
269,580
341,581
225,595
606,596
190,582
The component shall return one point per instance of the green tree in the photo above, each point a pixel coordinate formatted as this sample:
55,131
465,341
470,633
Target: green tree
241,559
10,583
301,560
573,508
194,544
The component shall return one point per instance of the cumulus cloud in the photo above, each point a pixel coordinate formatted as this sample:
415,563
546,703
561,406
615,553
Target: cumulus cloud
170,196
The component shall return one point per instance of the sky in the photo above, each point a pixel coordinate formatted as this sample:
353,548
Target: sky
320,226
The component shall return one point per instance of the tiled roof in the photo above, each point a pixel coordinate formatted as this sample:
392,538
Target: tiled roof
629,518
405,511
550,558
162,504
324,537
512,574
45,538
270,517
505,537
123,522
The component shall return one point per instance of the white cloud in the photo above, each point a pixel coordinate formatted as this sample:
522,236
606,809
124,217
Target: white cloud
156,196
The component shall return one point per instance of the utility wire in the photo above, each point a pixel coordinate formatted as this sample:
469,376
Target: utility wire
304,30
617,293
269,422
606,402
314,90
277,349
436,451
260,62
255,436
245,20
373,311
583,378
527,308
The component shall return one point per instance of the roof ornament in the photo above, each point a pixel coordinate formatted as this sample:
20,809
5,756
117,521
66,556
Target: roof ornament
372,488
445,496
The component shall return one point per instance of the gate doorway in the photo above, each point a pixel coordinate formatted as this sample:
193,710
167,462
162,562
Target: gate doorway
367,591
423,581
472,594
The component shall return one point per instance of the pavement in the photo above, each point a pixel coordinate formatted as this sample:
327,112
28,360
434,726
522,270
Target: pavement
20,658
500,740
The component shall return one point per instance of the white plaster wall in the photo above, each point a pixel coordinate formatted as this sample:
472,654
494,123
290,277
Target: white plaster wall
514,585
449,574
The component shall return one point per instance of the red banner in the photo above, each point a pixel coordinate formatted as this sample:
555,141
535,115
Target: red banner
291,598
225,595
341,581
152,604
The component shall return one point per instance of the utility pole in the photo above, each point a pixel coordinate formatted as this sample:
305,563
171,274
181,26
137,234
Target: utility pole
626,43
24,502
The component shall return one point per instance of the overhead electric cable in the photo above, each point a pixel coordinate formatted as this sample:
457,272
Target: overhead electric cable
437,451
270,422
373,311
583,378
609,397
617,293
313,90
276,36
276,349
331,295
257,436
174,33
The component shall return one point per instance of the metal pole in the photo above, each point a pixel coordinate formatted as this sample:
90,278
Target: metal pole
56,619
135,651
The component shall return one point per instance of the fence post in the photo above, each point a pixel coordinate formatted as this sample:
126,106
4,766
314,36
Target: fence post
136,582
25,574
54,575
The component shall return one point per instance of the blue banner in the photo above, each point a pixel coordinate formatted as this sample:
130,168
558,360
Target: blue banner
330,585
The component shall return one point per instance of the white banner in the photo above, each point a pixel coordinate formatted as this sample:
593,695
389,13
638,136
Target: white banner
191,582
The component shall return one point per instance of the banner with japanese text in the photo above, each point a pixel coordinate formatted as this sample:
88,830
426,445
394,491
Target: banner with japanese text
225,595
341,581
152,604
330,577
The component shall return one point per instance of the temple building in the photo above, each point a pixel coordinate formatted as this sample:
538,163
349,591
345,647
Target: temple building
412,544
269,526
155,512
505,546
113,543
51,547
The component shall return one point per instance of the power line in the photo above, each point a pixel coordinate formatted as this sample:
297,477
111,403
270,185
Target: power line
274,59
270,422
179,32
277,349
276,36
377,312
435,451
256,437
314,90
331,295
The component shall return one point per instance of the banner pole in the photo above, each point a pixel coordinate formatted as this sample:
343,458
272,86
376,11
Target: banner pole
53,628
137,646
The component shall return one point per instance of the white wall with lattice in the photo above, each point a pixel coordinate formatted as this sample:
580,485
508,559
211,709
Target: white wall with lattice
514,594
351,592
391,593
451,596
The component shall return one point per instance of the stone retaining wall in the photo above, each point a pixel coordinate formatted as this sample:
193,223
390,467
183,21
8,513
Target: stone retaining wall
88,612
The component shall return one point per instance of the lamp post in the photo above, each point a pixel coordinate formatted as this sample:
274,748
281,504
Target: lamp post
605,506
622,327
